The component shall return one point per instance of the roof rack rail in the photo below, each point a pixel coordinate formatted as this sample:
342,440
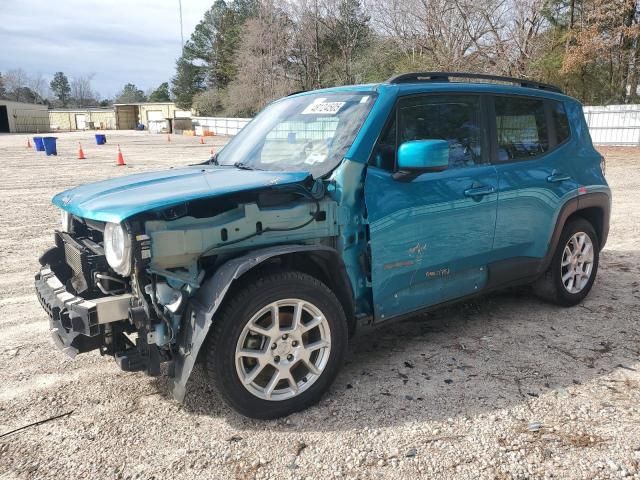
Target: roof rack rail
444,77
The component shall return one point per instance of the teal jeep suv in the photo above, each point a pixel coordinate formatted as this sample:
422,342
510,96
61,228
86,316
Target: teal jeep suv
331,210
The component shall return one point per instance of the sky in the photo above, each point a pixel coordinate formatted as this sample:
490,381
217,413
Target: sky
119,41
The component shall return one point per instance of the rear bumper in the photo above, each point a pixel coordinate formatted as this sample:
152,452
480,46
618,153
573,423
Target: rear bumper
76,323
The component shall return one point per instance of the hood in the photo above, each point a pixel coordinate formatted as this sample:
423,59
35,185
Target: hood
120,198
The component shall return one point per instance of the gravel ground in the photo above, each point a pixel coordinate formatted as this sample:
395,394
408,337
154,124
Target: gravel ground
502,387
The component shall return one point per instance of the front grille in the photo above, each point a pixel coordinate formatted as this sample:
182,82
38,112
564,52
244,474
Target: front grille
73,257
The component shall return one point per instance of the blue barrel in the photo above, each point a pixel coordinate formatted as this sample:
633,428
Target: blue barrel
50,145
37,141
101,139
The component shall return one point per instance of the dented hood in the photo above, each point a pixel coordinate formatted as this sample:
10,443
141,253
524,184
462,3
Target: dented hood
119,198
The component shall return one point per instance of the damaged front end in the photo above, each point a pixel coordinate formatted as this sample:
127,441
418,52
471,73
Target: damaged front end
144,289
91,305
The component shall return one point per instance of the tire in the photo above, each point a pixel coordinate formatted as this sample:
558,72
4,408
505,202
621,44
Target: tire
551,286
245,325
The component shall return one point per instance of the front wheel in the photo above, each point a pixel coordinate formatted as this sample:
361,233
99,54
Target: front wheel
573,267
277,345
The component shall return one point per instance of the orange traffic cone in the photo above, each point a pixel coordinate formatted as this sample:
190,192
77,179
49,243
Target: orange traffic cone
202,140
120,161
169,138
80,152
28,143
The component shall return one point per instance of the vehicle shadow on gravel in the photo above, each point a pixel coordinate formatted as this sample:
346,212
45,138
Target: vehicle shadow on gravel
477,357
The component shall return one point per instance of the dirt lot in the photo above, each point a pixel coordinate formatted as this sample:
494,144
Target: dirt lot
453,394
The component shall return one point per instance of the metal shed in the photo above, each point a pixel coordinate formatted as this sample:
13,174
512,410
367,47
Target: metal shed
82,119
18,117
155,116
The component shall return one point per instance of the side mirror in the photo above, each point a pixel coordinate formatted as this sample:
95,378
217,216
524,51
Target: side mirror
423,156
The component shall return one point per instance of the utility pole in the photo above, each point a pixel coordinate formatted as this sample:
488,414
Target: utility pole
181,32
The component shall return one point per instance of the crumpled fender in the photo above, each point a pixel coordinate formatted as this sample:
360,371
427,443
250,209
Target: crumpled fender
207,301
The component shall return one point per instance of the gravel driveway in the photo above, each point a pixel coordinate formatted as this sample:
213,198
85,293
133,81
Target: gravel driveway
502,387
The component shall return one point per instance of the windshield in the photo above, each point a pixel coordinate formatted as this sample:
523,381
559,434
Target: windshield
309,133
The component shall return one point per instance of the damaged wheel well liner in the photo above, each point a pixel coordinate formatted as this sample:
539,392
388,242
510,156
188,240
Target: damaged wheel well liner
324,265
318,260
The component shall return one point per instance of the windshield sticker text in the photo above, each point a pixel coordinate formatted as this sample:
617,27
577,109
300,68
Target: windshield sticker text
326,108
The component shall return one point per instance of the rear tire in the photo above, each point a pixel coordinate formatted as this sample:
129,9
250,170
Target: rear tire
573,267
276,346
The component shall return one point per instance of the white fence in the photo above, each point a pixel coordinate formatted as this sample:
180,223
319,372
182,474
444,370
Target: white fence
219,125
614,124
608,125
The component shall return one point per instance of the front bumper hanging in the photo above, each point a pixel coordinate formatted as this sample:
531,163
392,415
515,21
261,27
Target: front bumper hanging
75,323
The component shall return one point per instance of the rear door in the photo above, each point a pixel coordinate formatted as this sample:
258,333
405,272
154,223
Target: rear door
535,177
430,235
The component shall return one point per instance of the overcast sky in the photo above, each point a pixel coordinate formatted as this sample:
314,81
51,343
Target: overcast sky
119,41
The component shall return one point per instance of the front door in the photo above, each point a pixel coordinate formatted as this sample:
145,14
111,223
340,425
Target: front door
430,236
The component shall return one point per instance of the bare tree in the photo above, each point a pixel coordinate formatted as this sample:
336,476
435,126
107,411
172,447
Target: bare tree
348,32
39,85
263,62
443,34
14,80
81,90
309,58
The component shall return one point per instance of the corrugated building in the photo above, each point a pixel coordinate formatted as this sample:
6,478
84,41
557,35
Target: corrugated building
18,117
83,119
154,116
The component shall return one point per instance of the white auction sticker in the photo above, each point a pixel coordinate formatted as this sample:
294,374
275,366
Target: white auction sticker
327,108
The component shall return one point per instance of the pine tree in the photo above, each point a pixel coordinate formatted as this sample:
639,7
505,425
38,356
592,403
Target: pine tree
160,94
130,94
188,81
61,88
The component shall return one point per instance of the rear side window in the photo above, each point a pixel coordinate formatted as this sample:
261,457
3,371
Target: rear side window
521,128
560,119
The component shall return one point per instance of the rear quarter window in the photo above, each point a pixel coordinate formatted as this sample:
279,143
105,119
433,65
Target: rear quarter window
561,122
521,128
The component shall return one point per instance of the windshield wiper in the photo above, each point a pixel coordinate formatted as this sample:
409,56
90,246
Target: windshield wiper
243,166
212,160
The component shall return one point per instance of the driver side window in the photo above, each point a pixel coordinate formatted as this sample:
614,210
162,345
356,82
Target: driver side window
457,119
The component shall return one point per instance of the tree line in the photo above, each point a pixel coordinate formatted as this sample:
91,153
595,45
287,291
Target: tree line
61,92
245,53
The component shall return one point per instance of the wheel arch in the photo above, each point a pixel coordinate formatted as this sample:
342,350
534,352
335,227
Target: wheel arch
594,207
320,261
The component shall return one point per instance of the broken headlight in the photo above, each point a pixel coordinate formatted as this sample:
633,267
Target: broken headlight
117,248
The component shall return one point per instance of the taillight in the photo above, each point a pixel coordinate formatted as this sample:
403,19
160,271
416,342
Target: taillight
603,165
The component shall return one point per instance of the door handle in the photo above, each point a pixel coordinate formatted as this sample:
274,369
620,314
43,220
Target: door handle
558,177
479,191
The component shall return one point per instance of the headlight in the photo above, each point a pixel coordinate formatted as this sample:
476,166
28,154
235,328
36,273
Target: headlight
65,218
117,248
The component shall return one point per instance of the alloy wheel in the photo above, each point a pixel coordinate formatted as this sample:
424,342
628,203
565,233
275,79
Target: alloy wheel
283,349
577,262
